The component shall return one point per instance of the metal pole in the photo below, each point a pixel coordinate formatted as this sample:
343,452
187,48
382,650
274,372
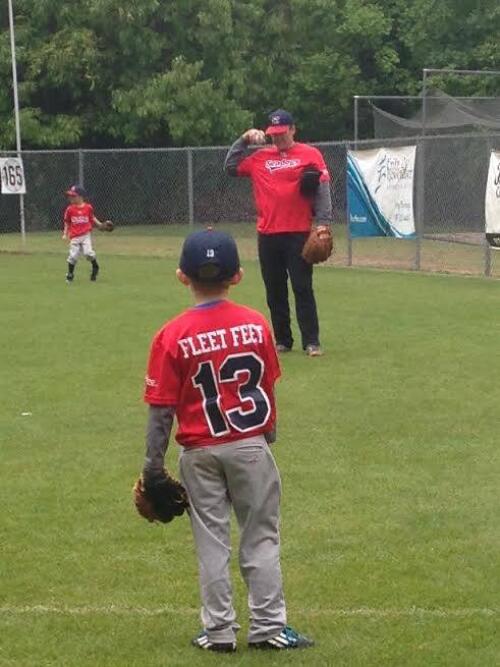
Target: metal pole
421,178
356,138
190,187
429,97
17,121
445,70
81,174
356,120
487,260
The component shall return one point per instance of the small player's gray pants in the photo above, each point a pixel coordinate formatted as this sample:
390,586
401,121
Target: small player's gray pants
81,245
243,475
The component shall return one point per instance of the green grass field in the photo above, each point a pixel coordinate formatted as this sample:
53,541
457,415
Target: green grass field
377,252
388,449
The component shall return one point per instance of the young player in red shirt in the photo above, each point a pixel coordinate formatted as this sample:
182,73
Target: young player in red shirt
79,219
214,367
284,220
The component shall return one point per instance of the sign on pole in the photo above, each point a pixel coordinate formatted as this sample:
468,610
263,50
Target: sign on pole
380,192
492,202
12,176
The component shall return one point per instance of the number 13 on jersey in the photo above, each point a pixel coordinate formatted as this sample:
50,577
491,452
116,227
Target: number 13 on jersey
254,408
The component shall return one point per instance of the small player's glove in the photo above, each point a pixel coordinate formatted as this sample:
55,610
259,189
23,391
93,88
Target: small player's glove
160,499
309,182
107,226
319,246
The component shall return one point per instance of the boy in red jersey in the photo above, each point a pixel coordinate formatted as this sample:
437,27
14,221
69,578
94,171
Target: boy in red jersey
214,367
79,219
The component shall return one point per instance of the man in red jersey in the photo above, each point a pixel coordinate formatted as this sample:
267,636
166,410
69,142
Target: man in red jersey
284,220
214,368
79,219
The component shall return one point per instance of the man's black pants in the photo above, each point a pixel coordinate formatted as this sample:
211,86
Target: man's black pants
280,257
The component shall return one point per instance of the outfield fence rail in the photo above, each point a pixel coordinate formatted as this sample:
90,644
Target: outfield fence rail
155,187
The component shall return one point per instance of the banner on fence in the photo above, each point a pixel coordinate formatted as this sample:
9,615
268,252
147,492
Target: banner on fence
492,201
12,176
380,192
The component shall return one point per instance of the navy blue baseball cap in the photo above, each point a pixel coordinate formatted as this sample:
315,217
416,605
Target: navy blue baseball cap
209,257
76,191
279,122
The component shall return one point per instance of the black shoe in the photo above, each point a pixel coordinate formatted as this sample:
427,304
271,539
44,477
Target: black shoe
286,640
202,641
282,349
69,277
93,275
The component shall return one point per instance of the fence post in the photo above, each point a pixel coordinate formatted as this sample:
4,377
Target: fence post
22,218
487,260
420,222
348,214
81,175
190,187
349,235
421,178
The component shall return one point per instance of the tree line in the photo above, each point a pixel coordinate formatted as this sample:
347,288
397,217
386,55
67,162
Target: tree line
99,73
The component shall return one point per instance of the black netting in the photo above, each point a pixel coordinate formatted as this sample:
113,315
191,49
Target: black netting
48,175
146,191
437,113
138,187
218,198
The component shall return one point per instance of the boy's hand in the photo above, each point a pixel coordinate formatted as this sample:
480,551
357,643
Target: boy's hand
64,236
254,137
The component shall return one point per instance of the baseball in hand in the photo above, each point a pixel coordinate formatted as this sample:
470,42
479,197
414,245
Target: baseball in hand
254,136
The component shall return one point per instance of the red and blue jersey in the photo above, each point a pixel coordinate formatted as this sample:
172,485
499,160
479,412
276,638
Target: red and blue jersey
217,365
275,179
79,218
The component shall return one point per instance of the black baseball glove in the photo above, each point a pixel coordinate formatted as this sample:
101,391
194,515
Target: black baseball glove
309,182
161,498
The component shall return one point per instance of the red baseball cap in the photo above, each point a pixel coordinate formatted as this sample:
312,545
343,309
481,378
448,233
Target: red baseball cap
75,191
280,122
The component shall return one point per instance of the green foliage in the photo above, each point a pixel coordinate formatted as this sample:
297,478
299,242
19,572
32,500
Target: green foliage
106,72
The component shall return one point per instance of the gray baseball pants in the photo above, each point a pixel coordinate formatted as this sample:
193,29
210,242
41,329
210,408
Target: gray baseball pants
81,245
242,475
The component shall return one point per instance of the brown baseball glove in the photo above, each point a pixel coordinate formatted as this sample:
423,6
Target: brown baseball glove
160,499
319,246
107,226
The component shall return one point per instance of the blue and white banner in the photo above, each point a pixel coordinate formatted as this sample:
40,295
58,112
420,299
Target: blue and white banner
492,202
380,192
492,199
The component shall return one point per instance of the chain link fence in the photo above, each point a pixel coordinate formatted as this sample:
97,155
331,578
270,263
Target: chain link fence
157,194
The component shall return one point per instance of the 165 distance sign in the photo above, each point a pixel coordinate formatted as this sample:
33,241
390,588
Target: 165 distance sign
12,175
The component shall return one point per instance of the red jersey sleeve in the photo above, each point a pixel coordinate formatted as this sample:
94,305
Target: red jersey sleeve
246,166
163,381
272,362
319,163
91,214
